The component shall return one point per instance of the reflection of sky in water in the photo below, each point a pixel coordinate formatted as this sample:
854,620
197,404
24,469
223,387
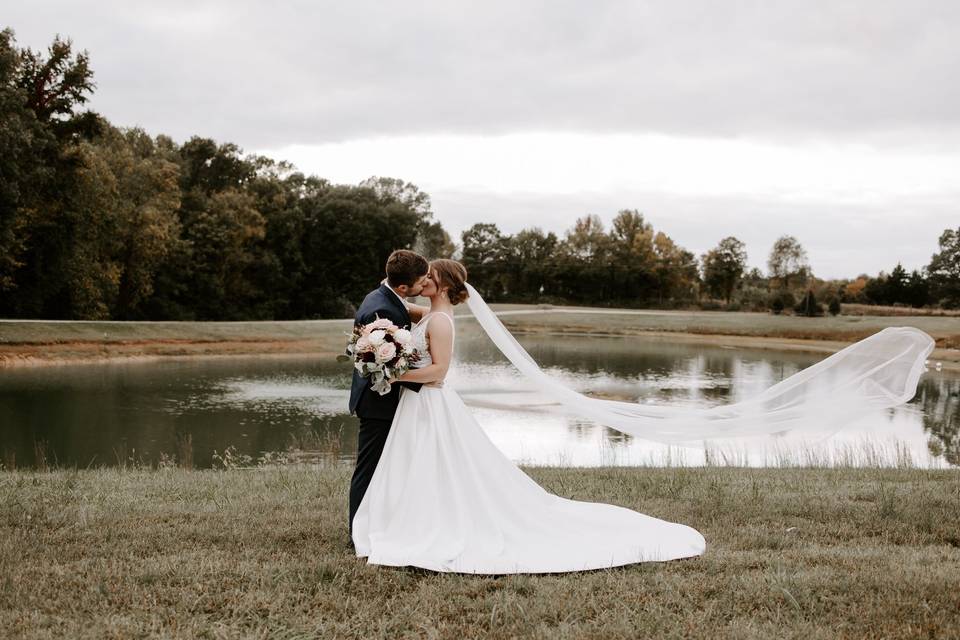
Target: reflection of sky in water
533,429
283,394
262,404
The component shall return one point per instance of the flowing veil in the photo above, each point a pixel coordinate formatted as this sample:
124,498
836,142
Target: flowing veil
878,372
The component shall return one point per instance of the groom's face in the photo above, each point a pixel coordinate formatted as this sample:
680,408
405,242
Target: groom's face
417,286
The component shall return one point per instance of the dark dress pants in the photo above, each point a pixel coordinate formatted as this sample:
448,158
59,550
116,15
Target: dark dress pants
376,415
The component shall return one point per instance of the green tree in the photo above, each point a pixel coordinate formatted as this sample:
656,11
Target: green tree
896,284
145,198
587,239
55,85
917,289
482,255
788,262
944,270
585,267
723,267
528,260
280,192
404,193
24,145
38,165
433,241
340,267
48,199
808,306
633,258
674,269
221,238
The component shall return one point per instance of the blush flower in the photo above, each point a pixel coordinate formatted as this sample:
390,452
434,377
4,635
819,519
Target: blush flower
386,352
381,323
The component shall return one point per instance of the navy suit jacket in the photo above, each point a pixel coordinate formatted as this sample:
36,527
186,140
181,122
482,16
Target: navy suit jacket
379,303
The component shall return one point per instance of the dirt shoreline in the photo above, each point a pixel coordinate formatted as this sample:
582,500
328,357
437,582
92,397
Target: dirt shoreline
86,352
72,352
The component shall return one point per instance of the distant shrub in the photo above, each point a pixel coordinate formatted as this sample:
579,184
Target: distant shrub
753,298
777,306
808,306
834,306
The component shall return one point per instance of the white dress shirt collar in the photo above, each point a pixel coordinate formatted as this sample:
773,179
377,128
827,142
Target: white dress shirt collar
402,301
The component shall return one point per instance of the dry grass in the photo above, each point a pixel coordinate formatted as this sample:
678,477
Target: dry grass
24,342
881,310
262,553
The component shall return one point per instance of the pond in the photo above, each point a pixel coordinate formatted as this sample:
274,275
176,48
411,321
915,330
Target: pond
165,411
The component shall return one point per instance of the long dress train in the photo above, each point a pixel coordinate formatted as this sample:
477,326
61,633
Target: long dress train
443,497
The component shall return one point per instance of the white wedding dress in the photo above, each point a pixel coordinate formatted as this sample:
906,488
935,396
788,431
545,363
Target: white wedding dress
444,498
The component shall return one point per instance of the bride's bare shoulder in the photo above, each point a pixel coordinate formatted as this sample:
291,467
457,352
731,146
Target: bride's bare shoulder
440,328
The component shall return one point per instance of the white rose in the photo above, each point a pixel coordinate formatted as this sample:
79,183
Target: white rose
376,337
363,344
402,336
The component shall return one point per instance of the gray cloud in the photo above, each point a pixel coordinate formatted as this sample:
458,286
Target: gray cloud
269,74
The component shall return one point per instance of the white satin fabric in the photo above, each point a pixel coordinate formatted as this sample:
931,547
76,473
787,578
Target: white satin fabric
444,498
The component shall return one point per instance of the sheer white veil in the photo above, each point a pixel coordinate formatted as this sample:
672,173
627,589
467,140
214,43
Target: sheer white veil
878,372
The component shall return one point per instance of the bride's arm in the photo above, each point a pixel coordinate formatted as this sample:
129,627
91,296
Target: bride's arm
441,350
416,311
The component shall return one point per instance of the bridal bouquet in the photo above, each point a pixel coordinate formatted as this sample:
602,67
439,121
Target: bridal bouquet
380,351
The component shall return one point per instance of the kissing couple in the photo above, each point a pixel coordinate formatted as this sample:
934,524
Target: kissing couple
431,490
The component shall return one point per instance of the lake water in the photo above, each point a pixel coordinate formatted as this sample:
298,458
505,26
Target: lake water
107,414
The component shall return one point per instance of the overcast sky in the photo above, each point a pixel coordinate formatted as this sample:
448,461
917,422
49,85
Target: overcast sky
833,121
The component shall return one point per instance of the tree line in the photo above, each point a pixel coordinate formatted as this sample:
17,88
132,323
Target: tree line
102,222
634,265
99,222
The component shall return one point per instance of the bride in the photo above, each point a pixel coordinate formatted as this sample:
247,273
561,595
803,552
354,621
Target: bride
444,498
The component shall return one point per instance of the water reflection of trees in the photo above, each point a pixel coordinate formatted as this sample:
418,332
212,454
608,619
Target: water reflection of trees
617,437
584,429
940,399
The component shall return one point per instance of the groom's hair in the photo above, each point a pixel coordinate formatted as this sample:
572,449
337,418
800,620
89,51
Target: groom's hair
405,267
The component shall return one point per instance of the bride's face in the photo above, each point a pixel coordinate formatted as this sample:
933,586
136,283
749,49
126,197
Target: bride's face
429,285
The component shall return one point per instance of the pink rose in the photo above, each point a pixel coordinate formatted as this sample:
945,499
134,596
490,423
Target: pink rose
381,323
364,344
386,351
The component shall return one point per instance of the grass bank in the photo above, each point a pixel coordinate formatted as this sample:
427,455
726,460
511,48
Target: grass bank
792,553
44,342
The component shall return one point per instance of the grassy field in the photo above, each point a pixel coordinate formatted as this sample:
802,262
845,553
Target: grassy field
39,342
945,329
263,553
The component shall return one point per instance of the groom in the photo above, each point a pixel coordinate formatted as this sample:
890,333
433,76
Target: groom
406,275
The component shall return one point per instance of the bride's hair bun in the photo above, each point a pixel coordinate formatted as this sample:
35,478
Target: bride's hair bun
458,295
452,276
